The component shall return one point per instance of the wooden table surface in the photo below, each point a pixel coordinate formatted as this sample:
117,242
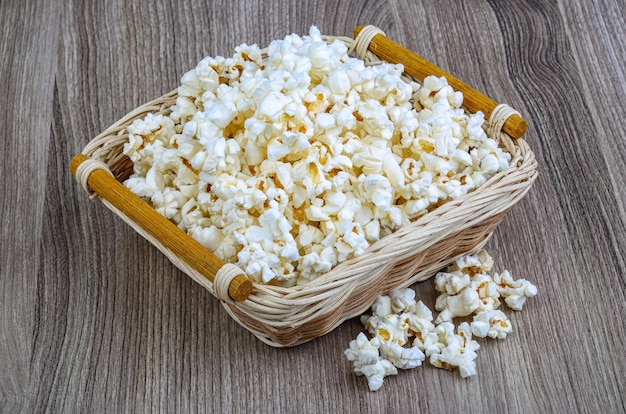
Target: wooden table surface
95,319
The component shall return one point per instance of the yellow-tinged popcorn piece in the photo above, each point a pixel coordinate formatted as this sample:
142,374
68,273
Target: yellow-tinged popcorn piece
466,288
459,350
513,291
364,354
317,138
491,323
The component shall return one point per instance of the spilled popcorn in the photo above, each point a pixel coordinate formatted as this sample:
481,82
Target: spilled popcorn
403,334
290,160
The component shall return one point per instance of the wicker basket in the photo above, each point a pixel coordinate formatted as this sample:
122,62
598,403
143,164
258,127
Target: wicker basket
290,316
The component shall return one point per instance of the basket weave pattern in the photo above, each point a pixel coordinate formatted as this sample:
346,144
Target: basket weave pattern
290,316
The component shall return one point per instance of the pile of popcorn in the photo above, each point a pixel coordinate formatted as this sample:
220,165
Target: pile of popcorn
289,161
403,333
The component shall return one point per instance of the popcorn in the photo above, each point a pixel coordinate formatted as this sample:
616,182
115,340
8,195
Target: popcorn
480,262
211,237
401,357
389,328
452,306
451,283
402,300
377,189
465,289
382,306
375,373
515,292
459,349
338,82
398,317
168,203
364,355
487,292
323,154
491,323
363,351
390,331
183,109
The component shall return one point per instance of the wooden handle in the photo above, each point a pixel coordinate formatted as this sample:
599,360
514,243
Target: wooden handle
172,237
419,68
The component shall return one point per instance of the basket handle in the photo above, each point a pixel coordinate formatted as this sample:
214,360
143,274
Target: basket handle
172,237
419,68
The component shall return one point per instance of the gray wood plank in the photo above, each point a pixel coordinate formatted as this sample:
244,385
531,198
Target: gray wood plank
26,78
96,319
578,208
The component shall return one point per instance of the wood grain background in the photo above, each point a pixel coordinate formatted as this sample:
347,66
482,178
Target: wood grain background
94,319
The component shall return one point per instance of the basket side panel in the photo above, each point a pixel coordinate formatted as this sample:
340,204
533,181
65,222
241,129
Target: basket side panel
421,266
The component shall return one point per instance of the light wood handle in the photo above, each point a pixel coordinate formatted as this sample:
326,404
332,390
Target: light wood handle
419,68
172,237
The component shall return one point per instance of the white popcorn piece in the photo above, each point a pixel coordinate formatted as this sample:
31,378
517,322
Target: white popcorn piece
350,241
140,186
372,230
393,171
452,282
461,157
183,109
377,189
402,357
459,349
429,343
168,203
423,317
339,82
491,323
219,113
192,214
376,122
420,321
377,372
490,164
363,351
514,292
364,354
471,264
452,306
370,159
257,262
402,300
211,237
203,78
463,290
142,133
382,306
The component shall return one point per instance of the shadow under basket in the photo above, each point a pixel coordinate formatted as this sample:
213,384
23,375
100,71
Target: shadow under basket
282,316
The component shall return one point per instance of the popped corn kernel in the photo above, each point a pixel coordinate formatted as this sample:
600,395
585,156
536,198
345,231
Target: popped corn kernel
364,354
402,357
491,323
402,300
452,306
459,350
514,292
